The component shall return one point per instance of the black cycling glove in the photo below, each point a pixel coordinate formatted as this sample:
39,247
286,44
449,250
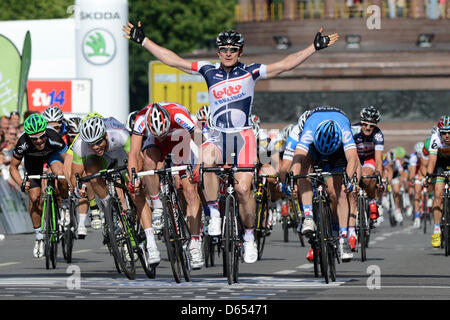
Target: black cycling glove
321,42
137,34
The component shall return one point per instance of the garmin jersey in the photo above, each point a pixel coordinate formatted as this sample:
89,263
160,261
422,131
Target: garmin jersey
230,94
320,115
180,119
438,146
366,145
118,144
26,148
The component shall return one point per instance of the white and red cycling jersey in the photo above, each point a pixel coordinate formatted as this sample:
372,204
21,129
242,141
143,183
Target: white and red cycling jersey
180,119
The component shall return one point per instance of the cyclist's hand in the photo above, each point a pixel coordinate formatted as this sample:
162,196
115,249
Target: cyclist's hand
196,175
25,187
322,42
80,193
284,188
349,187
427,181
133,33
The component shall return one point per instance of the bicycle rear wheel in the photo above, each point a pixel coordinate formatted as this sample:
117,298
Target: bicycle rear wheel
119,238
297,219
46,221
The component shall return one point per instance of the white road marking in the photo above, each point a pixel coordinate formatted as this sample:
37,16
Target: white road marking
285,272
9,264
82,251
306,266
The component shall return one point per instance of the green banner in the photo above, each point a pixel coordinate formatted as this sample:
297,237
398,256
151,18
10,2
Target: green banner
24,69
10,63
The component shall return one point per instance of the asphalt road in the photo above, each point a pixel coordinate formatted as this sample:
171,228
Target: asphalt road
401,265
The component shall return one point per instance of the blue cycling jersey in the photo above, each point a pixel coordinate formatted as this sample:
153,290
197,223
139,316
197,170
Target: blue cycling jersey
320,115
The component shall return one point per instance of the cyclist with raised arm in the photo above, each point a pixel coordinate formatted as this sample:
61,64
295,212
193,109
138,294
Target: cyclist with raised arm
438,162
166,129
105,143
39,144
231,88
327,141
370,146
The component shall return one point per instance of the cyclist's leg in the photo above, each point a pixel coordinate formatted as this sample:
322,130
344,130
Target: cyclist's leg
437,206
396,187
417,200
152,159
210,156
93,165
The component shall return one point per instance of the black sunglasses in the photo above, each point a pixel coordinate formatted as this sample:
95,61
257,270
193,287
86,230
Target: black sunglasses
226,49
42,136
96,143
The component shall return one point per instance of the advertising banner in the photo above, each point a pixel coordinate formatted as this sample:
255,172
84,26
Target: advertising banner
10,63
102,54
71,96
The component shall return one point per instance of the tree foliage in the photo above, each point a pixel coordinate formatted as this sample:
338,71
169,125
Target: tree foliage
179,25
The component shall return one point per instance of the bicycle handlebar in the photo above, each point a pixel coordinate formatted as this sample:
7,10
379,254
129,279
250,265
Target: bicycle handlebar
101,173
227,169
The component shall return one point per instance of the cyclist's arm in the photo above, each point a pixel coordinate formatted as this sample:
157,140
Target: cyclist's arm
431,163
133,156
378,161
76,168
284,169
290,62
67,167
14,170
167,56
352,161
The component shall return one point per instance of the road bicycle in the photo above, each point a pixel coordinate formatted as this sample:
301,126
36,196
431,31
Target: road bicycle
50,219
363,222
262,197
175,230
323,242
231,240
425,209
445,221
123,233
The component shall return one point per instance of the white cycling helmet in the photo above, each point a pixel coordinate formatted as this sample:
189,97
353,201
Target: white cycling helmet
53,114
255,128
203,113
73,124
419,148
157,120
92,130
255,119
287,131
302,119
130,120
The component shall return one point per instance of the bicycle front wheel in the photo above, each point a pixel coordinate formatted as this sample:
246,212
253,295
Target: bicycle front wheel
260,231
170,235
68,237
362,227
119,238
446,221
229,243
323,239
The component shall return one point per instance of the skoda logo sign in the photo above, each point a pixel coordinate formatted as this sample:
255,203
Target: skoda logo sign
99,46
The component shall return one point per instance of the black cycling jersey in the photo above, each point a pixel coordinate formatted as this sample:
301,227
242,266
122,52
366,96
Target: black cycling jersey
26,148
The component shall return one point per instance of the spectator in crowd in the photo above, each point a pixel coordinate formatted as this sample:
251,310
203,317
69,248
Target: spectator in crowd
391,4
4,124
10,143
400,8
14,118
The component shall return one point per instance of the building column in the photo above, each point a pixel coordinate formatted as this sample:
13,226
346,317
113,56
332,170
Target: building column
329,9
417,9
261,10
290,10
